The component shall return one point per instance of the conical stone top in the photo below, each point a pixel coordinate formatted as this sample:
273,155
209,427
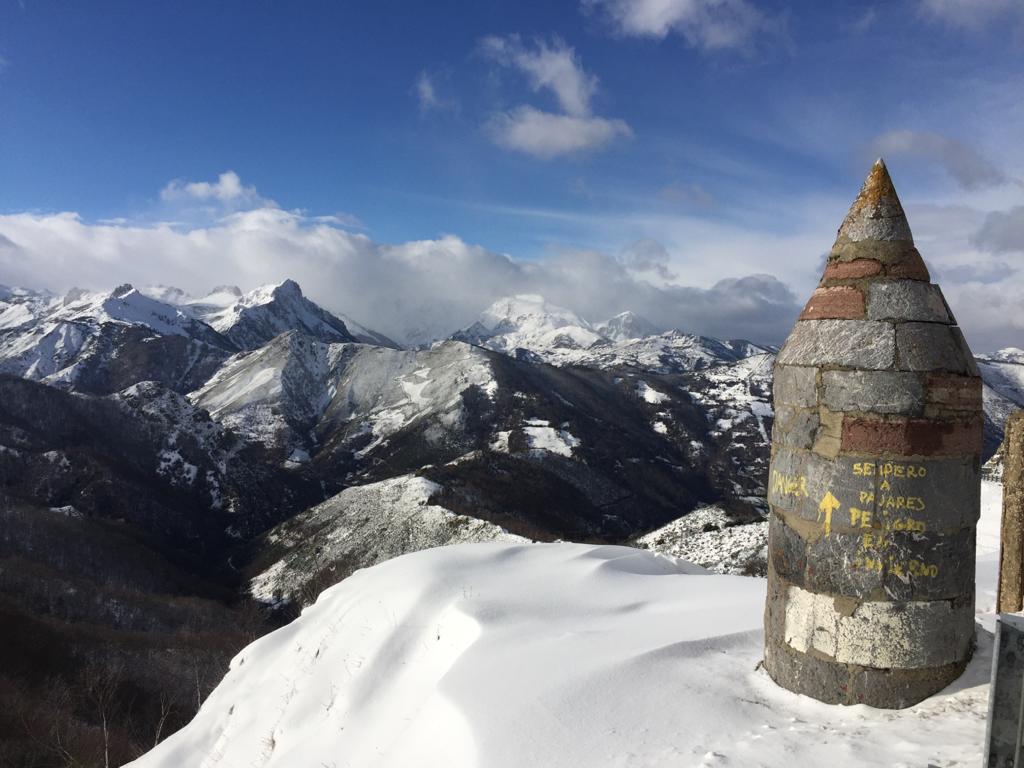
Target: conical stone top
874,481
874,239
876,214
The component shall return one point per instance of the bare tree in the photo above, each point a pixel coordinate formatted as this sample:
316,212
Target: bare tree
100,683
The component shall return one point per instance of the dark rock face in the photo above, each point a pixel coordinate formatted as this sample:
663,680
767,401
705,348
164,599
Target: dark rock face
874,484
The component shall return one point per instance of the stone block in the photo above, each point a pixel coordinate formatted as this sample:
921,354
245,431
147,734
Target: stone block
965,351
943,493
909,269
842,302
794,427
904,300
796,386
952,392
932,347
877,562
864,344
913,437
873,391
851,270
835,683
892,635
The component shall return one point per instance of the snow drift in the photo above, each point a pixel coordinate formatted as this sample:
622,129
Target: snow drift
553,655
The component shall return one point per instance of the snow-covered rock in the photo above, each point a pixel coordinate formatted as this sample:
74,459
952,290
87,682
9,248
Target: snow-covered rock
1010,355
709,538
625,326
258,316
358,528
556,655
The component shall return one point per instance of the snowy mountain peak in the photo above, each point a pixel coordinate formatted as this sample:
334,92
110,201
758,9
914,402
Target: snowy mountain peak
258,316
627,325
529,322
528,311
1010,355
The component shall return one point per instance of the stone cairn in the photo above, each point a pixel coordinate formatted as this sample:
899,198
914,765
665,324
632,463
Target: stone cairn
874,483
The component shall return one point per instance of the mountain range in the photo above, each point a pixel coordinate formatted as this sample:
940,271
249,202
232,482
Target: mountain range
179,474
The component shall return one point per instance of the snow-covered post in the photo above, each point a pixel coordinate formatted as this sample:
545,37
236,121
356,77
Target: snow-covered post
874,482
1011,539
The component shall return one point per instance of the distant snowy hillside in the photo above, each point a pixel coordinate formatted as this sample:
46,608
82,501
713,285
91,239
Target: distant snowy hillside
556,656
1003,394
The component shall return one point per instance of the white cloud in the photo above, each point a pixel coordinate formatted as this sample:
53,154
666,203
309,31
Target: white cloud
553,66
543,134
970,14
706,24
546,135
970,169
227,189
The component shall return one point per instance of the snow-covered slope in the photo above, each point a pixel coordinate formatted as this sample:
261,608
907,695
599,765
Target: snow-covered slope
357,528
21,306
98,340
1003,393
555,656
352,395
274,394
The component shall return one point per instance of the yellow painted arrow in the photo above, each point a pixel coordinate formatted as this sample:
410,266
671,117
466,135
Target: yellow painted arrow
828,505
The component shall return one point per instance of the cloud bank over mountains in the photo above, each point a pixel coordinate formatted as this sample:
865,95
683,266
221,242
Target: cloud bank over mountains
412,291
424,289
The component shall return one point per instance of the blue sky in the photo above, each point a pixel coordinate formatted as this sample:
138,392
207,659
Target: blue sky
676,143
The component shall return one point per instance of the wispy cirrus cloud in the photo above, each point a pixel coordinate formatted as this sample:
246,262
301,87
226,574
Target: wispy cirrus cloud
428,95
971,14
704,24
555,68
966,165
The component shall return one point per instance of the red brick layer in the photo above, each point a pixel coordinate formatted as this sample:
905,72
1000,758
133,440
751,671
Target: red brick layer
851,270
843,302
954,392
912,437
